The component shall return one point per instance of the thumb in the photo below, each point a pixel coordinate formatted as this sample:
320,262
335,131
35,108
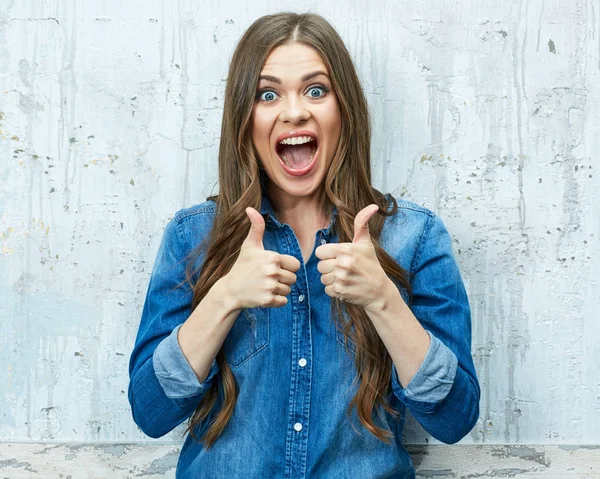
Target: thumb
257,228
361,223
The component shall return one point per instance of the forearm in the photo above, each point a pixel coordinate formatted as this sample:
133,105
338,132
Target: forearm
203,333
444,397
402,334
169,384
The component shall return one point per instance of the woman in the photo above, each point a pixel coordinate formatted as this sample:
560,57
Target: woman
295,316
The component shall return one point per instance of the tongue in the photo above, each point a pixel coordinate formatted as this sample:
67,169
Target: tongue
297,155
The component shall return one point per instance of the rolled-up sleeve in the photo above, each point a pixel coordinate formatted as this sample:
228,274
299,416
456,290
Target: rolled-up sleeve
174,373
443,395
432,381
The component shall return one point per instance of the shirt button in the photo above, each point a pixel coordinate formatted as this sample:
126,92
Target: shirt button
298,427
323,241
302,362
301,298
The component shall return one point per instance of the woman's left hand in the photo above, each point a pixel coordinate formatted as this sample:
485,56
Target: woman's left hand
351,271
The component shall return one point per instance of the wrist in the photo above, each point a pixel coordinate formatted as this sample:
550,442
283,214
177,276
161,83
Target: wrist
388,293
223,293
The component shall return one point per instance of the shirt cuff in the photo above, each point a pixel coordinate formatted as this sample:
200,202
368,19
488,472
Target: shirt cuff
433,380
174,373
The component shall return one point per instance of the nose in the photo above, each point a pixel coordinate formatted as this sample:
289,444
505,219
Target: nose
294,112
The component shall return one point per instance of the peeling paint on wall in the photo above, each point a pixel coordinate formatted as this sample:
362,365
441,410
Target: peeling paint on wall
33,461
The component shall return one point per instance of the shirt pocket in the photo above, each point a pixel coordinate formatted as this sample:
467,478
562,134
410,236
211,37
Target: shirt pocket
248,336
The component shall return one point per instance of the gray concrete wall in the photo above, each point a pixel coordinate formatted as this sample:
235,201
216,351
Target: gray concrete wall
485,111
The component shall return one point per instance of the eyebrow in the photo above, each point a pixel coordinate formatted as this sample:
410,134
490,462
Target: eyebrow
306,77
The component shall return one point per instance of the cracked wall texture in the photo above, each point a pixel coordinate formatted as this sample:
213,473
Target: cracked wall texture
487,112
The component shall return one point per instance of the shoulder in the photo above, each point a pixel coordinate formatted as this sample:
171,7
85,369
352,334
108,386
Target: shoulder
192,224
412,209
418,219
406,232
411,217
196,212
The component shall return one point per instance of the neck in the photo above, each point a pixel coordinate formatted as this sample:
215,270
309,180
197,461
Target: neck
311,211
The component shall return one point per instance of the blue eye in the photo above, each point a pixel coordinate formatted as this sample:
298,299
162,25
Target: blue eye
316,88
269,95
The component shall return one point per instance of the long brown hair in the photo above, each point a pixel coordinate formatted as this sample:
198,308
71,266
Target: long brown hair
347,186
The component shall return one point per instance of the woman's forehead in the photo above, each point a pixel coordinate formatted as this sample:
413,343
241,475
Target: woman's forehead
296,57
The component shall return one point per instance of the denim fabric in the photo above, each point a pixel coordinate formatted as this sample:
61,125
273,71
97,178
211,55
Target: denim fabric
294,372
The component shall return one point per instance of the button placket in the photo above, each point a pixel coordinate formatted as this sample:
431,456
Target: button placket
301,374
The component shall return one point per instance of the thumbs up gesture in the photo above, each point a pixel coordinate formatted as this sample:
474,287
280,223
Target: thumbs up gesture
260,278
351,271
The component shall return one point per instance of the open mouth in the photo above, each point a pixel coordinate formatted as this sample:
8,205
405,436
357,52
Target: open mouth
297,153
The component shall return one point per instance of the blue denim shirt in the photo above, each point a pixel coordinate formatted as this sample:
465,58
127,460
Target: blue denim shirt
294,373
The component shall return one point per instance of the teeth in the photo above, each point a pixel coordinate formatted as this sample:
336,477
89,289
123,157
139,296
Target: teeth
297,140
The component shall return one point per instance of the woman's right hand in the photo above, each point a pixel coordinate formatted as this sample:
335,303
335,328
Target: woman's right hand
260,278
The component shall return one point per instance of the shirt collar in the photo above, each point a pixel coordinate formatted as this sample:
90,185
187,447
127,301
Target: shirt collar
266,208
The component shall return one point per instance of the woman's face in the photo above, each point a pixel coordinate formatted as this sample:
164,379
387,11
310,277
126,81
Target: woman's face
295,99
